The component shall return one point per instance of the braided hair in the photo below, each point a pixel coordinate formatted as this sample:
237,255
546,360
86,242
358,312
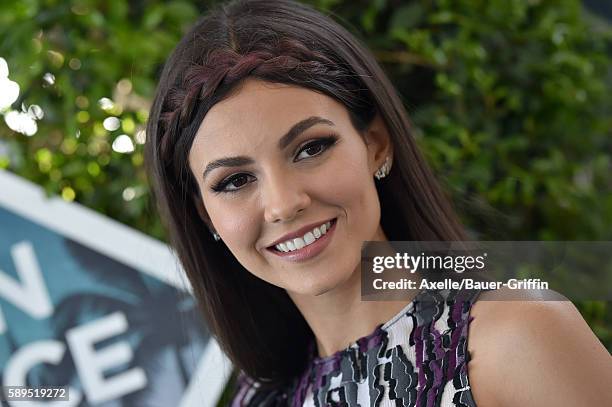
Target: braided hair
278,41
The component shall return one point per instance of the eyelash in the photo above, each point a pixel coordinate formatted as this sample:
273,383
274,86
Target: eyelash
324,142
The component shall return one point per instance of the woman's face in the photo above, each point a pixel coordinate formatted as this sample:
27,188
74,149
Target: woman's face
275,162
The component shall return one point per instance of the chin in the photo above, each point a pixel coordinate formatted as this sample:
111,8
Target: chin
312,291
319,286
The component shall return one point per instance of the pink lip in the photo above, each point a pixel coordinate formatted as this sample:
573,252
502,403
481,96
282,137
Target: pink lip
298,233
310,251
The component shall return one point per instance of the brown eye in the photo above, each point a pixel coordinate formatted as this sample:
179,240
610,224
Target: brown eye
238,181
317,147
314,149
233,183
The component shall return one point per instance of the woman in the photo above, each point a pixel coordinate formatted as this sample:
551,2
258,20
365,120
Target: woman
276,146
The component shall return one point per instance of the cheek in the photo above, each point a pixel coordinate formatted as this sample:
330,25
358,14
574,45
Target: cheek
236,225
352,186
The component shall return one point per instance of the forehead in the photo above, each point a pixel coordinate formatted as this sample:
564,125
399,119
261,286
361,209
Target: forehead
260,112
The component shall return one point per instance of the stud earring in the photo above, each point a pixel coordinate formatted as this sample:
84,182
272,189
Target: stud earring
384,169
216,236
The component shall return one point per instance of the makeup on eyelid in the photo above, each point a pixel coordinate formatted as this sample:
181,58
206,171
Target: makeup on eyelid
295,131
325,142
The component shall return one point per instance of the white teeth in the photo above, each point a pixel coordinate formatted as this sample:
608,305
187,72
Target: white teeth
299,243
290,245
308,238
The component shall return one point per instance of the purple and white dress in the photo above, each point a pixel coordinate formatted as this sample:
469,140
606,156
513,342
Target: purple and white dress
418,358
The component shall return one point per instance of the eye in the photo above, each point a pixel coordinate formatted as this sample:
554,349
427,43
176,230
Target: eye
236,181
309,150
316,147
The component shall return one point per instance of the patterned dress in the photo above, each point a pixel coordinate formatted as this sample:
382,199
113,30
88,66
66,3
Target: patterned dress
418,358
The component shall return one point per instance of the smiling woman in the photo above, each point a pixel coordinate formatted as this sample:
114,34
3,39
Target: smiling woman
282,187
276,146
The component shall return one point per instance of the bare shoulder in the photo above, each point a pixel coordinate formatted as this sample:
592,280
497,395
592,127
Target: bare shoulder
534,353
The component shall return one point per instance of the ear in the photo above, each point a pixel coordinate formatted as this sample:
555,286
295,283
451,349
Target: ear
378,143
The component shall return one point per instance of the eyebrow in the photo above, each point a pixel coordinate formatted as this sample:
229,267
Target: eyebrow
283,142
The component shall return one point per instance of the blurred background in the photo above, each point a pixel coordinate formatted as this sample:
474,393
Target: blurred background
511,102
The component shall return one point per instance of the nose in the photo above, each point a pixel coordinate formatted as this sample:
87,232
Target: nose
284,197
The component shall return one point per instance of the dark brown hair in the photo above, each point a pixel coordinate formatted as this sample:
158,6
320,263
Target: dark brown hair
280,41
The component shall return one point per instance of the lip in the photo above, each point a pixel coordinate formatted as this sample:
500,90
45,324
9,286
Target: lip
309,251
298,233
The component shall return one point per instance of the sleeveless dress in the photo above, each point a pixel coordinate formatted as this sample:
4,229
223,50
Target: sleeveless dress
418,358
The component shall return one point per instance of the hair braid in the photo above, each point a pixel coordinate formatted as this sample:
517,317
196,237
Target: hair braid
227,68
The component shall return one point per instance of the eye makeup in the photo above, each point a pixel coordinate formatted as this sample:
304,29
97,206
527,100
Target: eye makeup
314,148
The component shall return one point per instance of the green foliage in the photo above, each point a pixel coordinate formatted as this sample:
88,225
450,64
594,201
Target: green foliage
510,101
94,49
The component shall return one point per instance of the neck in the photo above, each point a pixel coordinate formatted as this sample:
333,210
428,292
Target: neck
339,317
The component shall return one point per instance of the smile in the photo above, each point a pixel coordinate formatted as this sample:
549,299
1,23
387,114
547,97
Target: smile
307,246
309,238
